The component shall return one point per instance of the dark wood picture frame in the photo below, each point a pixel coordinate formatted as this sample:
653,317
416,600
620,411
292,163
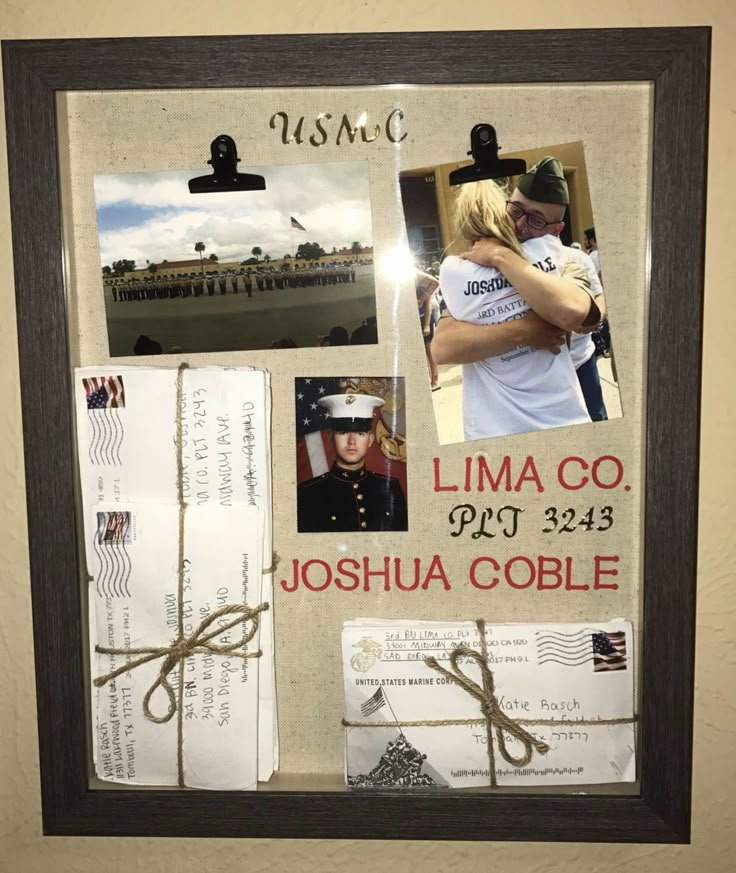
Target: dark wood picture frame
677,63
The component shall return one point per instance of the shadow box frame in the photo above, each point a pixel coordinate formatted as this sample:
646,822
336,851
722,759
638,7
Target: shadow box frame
676,61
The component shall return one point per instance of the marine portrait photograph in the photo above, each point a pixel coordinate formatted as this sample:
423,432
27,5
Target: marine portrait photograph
289,266
509,283
350,454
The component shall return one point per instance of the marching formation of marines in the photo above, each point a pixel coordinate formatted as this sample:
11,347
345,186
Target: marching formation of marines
169,287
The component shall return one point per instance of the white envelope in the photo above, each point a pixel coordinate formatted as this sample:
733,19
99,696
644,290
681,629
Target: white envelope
134,598
126,433
572,674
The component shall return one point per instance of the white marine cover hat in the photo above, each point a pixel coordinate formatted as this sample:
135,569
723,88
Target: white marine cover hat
350,412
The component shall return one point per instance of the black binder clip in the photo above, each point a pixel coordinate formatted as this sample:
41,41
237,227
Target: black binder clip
226,177
484,149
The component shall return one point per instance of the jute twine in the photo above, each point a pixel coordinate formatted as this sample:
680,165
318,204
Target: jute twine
494,718
199,642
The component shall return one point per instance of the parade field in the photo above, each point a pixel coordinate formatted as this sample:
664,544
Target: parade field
275,266
230,322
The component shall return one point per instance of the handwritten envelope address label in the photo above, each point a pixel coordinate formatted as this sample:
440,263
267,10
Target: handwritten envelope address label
423,699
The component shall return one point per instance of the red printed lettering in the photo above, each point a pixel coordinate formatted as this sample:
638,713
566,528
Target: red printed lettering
561,470
599,571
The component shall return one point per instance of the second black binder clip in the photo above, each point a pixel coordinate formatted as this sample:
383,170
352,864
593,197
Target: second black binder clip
484,149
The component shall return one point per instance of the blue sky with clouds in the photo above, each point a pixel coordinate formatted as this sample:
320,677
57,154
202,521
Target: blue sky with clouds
152,216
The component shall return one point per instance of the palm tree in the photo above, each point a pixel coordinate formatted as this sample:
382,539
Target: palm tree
199,248
255,251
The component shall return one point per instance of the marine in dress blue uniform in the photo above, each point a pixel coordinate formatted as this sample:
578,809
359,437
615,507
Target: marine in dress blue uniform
349,497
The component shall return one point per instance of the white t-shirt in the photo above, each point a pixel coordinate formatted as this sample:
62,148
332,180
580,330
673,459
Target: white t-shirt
523,389
581,344
596,259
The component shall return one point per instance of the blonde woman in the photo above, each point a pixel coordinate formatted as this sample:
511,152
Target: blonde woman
524,388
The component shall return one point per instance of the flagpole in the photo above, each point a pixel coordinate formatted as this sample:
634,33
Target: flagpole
401,733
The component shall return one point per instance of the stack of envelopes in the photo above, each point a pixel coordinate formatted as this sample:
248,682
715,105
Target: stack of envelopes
196,712
569,687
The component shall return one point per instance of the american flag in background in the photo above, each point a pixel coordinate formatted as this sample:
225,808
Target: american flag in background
314,453
609,651
296,226
107,392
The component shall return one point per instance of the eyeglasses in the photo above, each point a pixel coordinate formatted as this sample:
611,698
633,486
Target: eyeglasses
536,222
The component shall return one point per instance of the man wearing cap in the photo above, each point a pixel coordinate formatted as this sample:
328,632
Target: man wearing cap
591,248
537,208
350,497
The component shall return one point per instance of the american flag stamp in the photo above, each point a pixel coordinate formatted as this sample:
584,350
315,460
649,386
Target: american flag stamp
605,650
112,537
105,397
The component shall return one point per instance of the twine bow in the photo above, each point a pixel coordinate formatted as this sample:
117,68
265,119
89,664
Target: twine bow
197,643
495,719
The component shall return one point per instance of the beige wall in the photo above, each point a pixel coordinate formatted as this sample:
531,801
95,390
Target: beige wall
21,846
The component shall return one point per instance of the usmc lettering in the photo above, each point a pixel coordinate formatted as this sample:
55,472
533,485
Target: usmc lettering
346,130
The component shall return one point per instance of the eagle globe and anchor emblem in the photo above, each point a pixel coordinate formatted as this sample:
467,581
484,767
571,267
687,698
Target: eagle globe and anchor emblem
368,656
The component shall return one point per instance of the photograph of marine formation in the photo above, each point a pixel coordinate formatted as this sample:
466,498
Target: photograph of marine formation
287,267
